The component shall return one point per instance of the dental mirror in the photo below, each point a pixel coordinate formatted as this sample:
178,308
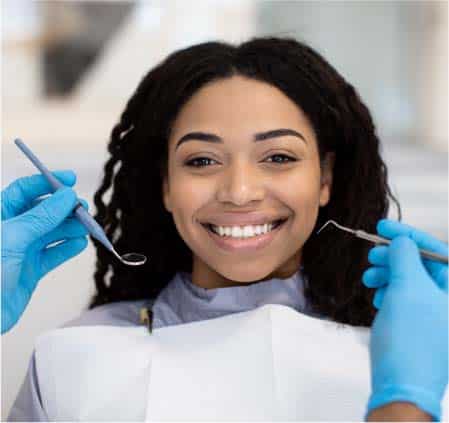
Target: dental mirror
131,259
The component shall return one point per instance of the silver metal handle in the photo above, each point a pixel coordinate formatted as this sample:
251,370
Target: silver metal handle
384,241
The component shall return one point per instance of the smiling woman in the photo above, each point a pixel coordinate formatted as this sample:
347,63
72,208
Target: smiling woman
244,188
225,162
216,146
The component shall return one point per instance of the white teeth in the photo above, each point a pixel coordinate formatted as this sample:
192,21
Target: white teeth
236,232
242,231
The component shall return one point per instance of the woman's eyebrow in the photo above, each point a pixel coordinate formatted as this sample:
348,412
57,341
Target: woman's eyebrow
261,136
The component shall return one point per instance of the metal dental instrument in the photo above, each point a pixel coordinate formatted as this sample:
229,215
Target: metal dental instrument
131,259
384,241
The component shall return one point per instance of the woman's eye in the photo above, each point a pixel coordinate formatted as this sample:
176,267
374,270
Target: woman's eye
290,159
203,160
197,159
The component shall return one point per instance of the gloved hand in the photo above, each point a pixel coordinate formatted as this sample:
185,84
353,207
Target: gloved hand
28,230
409,335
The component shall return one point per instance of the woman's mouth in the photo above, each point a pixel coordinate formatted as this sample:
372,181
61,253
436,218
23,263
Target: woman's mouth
248,238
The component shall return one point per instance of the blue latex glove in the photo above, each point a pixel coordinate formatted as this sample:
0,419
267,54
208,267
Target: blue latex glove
409,335
28,230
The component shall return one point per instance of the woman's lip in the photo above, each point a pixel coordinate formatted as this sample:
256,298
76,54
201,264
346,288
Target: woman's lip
244,244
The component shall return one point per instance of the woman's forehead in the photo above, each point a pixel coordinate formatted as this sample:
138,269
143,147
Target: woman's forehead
239,106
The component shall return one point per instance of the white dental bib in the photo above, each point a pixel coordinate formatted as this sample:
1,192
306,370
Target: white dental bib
270,363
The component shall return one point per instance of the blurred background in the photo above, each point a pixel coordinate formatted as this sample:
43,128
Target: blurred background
68,69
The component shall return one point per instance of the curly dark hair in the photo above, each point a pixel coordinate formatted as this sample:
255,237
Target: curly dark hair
135,219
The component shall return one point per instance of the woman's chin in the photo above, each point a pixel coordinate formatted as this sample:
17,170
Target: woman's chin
245,276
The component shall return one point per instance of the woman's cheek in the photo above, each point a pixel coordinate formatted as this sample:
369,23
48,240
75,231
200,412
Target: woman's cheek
189,199
305,202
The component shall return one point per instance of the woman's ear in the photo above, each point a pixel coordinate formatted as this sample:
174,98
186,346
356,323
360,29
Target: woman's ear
327,172
166,195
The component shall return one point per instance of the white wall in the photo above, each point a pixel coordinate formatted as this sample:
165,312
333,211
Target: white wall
425,36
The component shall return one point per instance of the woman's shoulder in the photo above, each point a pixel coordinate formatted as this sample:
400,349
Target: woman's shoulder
121,313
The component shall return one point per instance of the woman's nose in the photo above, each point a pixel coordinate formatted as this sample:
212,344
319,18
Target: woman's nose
240,184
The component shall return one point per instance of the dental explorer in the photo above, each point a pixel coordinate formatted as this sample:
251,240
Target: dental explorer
384,241
131,259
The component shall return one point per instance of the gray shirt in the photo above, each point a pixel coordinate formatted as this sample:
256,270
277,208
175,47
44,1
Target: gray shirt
179,302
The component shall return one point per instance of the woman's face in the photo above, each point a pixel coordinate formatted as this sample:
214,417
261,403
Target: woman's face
227,167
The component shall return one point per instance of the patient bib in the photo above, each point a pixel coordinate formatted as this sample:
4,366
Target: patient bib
270,363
